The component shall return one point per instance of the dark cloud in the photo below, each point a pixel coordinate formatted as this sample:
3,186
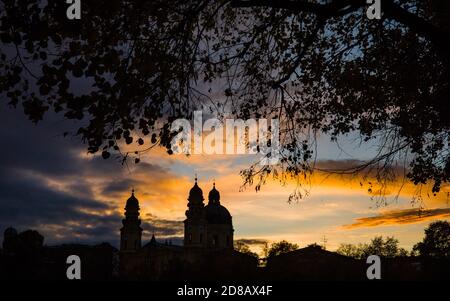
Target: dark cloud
347,166
114,187
407,216
97,166
33,149
44,148
26,202
145,167
82,188
252,241
338,165
99,226
162,227
32,155
25,195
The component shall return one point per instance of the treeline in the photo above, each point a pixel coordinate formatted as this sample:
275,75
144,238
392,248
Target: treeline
435,244
269,250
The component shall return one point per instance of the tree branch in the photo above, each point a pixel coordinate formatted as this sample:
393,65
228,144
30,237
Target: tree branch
436,35
336,8
331,9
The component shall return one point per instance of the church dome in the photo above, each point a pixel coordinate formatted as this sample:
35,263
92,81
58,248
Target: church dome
132,201
196,193
214,195
217,214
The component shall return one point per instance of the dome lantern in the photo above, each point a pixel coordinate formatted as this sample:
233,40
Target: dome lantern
214,195
195,194
132,202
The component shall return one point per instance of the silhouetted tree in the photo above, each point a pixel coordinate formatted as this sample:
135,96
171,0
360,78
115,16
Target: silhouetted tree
436,242
387,248
244,248
384,247
127,68
315,245
350,250
281,247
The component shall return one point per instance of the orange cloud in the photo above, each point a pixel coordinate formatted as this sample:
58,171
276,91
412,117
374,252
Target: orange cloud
407,216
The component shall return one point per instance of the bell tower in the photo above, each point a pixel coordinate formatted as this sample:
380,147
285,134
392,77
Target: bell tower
195,223
131,232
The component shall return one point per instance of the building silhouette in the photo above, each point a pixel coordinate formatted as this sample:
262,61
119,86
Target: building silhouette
25,257
131,232
207,226
207,250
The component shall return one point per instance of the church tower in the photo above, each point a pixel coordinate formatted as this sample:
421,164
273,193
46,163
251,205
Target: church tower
195,223
131,232
209,226
219,220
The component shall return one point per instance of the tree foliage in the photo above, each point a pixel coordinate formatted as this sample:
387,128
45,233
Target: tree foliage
128,68
436,242
244,248
281,247
387,248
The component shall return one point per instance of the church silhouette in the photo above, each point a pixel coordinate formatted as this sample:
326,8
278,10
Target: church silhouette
207,226
207,250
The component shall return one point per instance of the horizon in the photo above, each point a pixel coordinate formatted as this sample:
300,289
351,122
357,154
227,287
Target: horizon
338,208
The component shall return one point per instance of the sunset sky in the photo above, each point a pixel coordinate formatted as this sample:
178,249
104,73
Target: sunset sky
49,183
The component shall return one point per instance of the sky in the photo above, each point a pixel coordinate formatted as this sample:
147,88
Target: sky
49,183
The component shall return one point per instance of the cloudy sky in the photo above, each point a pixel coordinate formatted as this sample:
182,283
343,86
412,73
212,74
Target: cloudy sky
49,183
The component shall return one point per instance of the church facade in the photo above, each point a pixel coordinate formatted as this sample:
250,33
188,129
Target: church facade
207,226
207,249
